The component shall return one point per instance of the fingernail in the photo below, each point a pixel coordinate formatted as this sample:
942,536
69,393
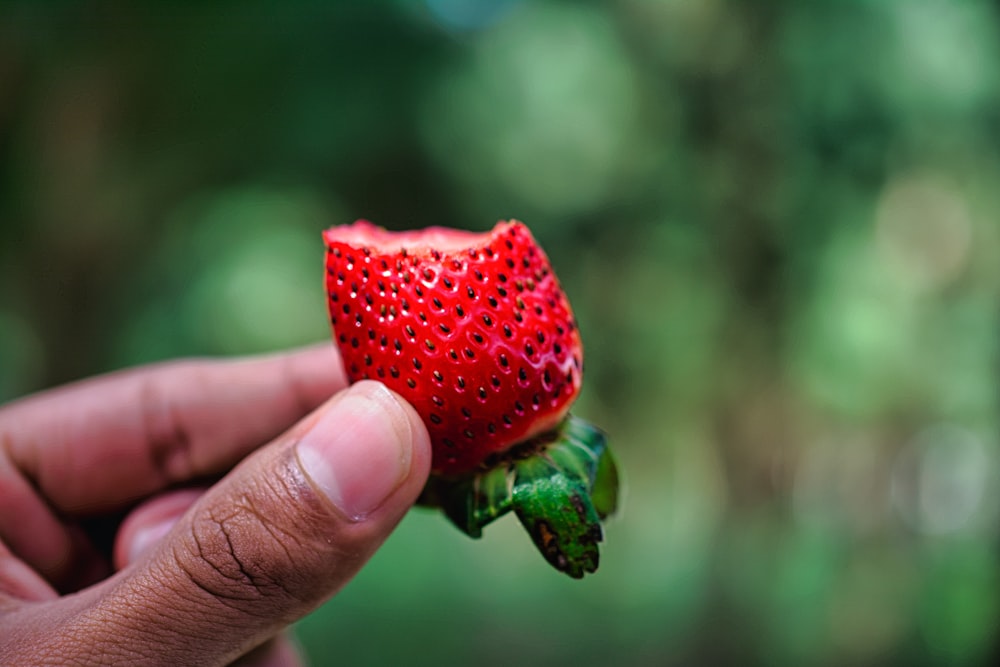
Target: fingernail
148,536
359,451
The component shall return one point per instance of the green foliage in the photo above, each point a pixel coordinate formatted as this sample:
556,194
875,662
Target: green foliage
777,223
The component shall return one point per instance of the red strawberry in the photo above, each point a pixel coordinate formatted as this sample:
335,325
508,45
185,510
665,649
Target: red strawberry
473,330
476,333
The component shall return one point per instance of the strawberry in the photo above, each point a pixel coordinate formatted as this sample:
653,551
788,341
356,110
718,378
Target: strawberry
476,333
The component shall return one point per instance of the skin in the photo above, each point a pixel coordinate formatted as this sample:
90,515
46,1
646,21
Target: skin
240,496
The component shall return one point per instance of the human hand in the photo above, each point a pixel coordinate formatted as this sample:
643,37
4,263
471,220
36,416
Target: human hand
197,576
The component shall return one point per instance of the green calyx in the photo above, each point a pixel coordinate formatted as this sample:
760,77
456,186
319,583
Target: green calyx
560,485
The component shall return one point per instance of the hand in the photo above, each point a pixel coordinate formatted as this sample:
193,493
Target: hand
195,575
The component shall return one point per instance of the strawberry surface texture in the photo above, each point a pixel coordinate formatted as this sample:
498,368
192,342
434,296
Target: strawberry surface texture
474,330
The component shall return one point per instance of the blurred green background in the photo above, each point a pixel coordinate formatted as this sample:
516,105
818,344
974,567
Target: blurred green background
777,222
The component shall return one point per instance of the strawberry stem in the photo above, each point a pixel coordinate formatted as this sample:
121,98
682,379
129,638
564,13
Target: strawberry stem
560,485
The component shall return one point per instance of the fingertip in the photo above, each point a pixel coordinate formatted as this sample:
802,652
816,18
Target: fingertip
363,447
147,524
420,440
319,363
408,425
21,582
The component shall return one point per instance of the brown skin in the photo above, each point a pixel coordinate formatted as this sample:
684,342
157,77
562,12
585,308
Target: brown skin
201,574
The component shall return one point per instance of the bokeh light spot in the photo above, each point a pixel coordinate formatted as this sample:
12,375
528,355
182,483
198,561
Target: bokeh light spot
944,482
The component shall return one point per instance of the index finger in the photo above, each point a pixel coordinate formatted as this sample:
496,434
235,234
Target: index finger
99,444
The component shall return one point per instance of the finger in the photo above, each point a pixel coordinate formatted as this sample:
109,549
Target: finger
263,547
19,583
60,553
100,444
282,651
148,523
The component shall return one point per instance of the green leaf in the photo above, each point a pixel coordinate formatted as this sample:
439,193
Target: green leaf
560,485
555,509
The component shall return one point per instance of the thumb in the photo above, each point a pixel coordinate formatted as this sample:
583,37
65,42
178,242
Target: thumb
270,542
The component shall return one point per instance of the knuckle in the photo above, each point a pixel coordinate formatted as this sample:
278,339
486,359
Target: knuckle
252,550
169,440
